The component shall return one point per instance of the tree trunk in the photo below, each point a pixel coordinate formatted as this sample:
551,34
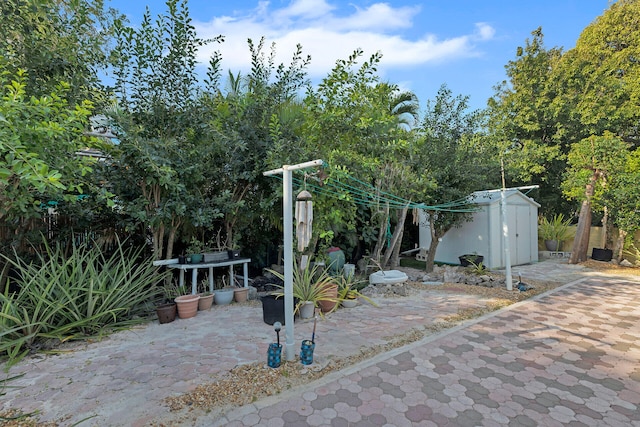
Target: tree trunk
158,242
581,240
396,238
381,235
431,254
395,257
619,246
605,228
170,241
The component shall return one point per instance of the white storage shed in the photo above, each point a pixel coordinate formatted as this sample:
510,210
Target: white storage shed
483,235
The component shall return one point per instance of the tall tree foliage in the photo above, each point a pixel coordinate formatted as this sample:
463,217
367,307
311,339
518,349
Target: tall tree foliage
38,139
623,199
349,122
451,157
195,152
561,99
601,78
165,148
256,110
50,56
601,75
592,164
57,41
529,125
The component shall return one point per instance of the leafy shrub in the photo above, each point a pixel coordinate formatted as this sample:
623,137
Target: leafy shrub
67,297
556,229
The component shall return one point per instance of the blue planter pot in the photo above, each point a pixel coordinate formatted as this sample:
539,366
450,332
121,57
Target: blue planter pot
223,296
196,258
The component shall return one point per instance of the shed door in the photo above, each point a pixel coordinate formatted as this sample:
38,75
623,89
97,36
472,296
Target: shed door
519,234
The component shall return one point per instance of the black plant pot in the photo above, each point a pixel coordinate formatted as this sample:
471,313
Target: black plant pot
552,245
466,260
600,254
166,312
273,309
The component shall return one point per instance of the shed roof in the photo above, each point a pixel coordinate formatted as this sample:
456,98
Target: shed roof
487,197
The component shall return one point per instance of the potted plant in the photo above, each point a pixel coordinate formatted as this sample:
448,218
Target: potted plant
224,295
477,269
206,298
349,291
166,309
554,231
206,301
240,294
195,250
187,304
467,260
311,286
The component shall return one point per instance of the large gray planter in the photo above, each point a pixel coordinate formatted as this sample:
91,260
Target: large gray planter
223,296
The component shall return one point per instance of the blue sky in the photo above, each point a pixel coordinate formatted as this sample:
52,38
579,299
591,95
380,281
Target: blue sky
463,43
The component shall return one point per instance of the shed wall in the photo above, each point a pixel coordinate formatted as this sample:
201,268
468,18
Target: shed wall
484,234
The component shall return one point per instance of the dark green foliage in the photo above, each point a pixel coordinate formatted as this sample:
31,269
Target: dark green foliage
63,297
58,41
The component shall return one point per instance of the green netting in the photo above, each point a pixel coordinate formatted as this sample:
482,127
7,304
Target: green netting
344,186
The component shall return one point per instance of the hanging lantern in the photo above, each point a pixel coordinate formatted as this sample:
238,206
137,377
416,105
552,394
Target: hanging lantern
304,219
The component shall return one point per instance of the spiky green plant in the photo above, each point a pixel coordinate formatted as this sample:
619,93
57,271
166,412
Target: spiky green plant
309,284
65,297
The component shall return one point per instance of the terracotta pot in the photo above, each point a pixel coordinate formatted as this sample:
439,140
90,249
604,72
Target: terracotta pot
241,294
205,302
166,312
328,305
187,305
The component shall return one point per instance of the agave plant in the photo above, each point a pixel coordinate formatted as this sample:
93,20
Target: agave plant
309,284
349,288
64,297
555,230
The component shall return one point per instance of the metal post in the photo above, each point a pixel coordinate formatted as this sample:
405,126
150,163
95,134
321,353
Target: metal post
287,206
505,239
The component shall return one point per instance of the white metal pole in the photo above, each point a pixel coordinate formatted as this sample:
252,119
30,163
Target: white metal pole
287,206
505,238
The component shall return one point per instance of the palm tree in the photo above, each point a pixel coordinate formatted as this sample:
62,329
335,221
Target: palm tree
405,107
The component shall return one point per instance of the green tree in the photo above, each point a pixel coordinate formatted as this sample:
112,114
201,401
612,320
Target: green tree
592,161
350,124
256,111
160,166
449,154
38,141
529,123
58,41
600,77
623,200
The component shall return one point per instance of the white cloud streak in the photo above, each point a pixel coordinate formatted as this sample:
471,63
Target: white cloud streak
328,33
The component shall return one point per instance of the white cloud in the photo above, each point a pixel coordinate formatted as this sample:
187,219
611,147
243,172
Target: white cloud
485,31
328,33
